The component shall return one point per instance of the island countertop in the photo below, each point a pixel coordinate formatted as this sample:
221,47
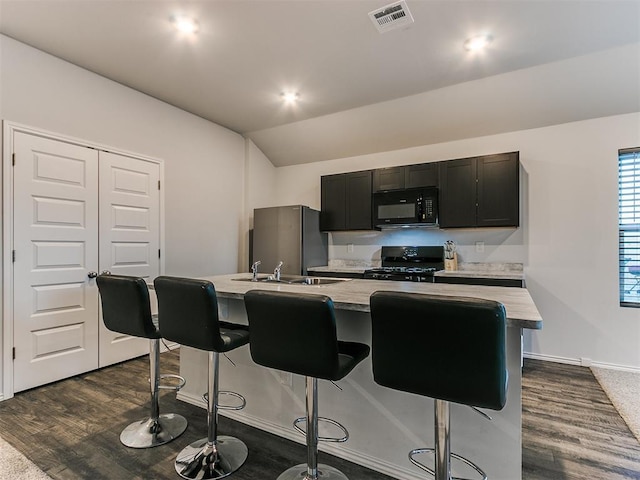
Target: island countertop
353,294
502,271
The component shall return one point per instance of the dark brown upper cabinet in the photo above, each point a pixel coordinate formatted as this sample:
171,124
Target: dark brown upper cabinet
499,190
333,213
480,191
421,175
346,201
388,179
408,176
458,193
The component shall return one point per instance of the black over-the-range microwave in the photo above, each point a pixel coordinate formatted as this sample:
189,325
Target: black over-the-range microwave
415,207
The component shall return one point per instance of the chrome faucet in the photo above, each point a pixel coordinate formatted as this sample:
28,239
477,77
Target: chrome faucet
254,270
276,272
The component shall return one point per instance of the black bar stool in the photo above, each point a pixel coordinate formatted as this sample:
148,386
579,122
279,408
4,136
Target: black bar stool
452,349
126,309
188,315
297,333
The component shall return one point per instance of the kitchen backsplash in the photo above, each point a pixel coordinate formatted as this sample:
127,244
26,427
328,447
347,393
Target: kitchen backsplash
473,245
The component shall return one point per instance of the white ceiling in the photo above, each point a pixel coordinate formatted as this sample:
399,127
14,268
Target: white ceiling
360,91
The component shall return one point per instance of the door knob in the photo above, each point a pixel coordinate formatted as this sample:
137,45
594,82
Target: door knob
92,274
105,272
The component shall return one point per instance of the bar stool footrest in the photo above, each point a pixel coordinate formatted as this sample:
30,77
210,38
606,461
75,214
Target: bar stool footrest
181,382
243,400
460,458
342,439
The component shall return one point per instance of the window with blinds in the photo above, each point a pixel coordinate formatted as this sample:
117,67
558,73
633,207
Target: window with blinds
629,226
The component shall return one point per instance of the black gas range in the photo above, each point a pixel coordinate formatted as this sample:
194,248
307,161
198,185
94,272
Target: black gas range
409,264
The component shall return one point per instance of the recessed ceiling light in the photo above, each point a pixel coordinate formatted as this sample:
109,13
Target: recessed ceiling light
185,24
477,43
290,97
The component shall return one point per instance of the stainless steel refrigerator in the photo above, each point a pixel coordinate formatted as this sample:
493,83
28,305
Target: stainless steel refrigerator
288,234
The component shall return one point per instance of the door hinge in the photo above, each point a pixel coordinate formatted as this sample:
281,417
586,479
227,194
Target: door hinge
158,184
13,256
13,159
14,353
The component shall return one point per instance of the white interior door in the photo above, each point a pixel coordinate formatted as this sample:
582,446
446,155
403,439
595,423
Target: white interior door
55,316
129,236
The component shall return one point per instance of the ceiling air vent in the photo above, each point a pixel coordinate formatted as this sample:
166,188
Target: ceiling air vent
391,17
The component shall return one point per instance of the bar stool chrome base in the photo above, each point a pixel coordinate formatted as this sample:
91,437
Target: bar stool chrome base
301,472
201,461
149,433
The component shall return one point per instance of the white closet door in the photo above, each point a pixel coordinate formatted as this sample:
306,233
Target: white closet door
129,236
55,315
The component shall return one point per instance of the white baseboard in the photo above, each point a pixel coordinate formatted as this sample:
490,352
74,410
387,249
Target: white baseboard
580,362
342,452
552,358
614,366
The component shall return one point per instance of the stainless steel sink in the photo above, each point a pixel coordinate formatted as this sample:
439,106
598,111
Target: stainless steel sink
295,280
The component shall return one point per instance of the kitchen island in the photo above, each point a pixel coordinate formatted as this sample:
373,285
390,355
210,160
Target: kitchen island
384,424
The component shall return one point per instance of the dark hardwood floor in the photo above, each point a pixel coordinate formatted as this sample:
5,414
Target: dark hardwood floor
71,429
570,429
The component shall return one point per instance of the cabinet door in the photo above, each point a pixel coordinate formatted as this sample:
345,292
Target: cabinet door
498,191
458,193
358,204
422,175
388,179
333,197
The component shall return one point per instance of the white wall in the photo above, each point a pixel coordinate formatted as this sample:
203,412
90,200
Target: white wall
204,163
568,239
259,192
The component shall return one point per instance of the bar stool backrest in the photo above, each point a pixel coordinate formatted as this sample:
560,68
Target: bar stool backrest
125,305
293,332
188,312
448,348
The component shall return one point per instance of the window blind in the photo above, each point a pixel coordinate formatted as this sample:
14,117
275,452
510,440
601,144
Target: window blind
629,226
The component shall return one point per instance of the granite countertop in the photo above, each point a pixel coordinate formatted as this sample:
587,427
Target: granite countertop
353,294
506,271
346,266
339,269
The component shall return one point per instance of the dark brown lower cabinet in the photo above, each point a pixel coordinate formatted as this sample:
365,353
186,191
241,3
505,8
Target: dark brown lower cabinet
492,282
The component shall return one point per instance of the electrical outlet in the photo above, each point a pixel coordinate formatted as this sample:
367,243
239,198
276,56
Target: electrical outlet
479,247
349,247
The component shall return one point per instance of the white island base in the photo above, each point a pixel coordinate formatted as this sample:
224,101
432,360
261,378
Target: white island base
384,424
